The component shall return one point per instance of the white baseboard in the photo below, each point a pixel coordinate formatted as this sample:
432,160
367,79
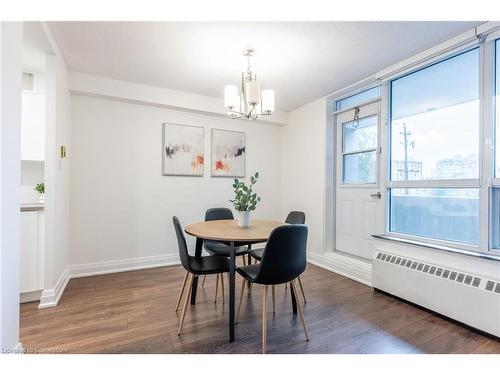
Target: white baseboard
122,265
353,268
356,269
50,297
30,296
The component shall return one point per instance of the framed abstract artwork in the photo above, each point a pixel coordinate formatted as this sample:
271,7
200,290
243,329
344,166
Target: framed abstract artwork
228,153
183,153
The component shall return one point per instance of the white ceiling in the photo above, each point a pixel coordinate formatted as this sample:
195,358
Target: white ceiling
35,46
302,61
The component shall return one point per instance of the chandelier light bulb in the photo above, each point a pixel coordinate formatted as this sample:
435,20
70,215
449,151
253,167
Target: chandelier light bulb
252,93
267,101
248,102
231,98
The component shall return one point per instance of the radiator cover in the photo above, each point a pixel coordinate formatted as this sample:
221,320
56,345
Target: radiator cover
471,299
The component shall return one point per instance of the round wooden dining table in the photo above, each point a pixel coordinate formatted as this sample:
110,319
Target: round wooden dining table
229,232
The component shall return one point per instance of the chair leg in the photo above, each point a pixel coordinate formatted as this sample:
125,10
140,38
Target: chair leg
274,300
203,282
299,308
241,300
302,289
184,309
222,287
249,284
264,319
216,287
182,291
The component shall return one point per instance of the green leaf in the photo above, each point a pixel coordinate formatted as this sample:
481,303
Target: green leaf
244,196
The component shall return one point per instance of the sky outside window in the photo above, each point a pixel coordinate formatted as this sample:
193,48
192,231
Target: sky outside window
435,121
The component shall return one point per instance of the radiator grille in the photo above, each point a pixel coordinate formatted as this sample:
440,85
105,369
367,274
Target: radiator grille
444,273
490,285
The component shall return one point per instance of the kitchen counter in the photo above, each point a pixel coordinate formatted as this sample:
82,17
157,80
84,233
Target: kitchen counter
32,207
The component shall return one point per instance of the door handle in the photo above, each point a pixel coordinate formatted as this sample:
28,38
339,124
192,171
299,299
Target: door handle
377,195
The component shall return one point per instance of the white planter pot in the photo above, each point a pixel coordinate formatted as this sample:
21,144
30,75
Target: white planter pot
41,198
244,219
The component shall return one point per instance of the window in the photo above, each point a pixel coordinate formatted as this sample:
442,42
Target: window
354,100
359,144
435,121
446,214
495,218
434,156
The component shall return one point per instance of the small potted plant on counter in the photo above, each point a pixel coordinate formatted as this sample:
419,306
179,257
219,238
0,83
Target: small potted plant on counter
245,200
40,189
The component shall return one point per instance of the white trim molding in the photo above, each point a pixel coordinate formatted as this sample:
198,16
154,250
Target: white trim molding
51,297
354,268
102,87
122,265
30,296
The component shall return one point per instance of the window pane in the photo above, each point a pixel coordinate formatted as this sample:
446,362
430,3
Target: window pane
435,121
497,106
356,99
495,218
360,136
359,168
447,214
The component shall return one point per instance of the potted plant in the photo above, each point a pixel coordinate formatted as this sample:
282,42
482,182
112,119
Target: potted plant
40,189
245,200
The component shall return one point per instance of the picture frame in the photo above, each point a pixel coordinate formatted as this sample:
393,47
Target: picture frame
183,150
227,153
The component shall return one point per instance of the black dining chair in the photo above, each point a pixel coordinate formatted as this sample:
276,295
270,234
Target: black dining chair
221,248
294,217
283,261
195,266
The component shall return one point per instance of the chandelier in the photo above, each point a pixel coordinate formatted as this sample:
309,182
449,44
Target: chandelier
248,102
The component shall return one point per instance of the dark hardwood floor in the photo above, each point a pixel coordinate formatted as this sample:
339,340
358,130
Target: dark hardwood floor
133,312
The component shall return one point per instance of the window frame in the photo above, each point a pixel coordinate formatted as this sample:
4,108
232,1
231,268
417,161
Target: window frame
374,149
491,56
339,165
353,94
479,183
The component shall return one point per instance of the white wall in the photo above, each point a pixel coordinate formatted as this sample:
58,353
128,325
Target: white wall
11,37
303,168
122,206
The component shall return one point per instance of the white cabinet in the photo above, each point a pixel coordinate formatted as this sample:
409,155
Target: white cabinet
33,126
32,237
